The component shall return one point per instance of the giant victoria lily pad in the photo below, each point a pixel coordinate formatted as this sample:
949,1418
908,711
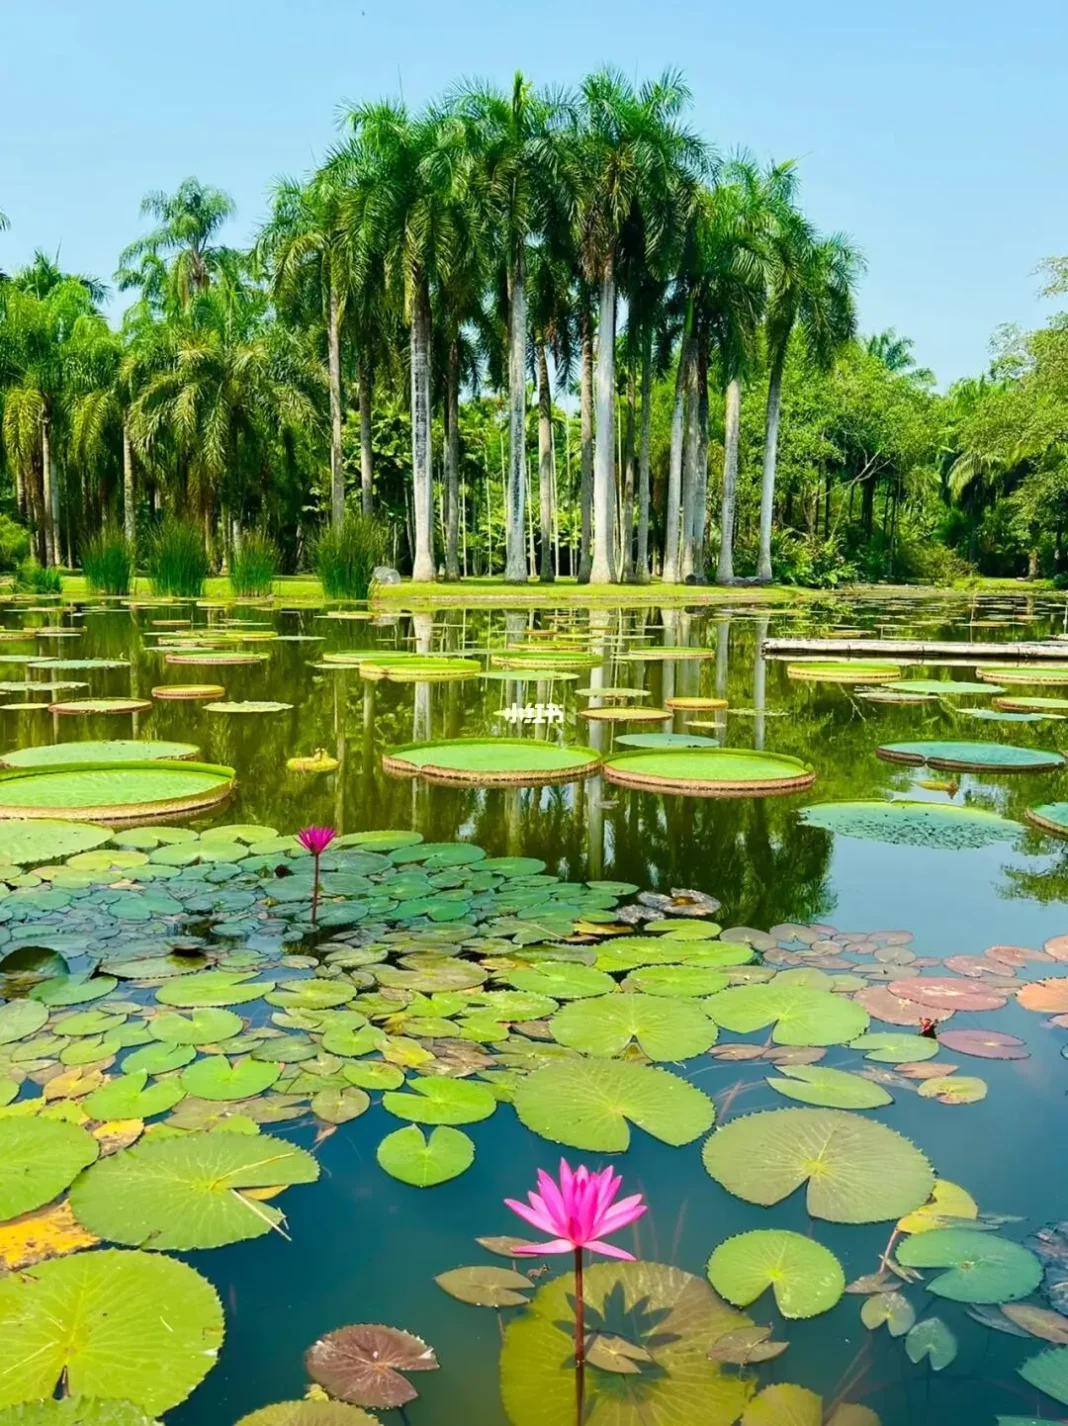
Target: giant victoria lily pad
1050,817
1044,673
709,772
112,750
84,707
125,791
112,1324
844,671
857,1170
941,825
971,756
492,762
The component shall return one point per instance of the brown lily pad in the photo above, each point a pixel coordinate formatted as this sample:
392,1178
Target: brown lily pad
486,1286
1057,947
1015,955
362,1364
615,1354
1038,1321
985,1044
926,1069
1048,995
883,1003
976,966
504,1246
946,992
745,1345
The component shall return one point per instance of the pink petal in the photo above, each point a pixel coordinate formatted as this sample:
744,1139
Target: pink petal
535,1250
609,1251
553,1201
627,1210
532,1216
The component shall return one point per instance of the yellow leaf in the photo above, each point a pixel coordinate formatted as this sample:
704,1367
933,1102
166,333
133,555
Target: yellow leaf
404,1052
35,1237
262,1195
74,1083
116,1134
948,1201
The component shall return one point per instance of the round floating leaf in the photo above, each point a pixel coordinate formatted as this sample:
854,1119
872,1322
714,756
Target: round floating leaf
665,740
676,981
112,1324
1047,1372
248,706
158,1058
562,980
216,1078
307,1413
406,1154
857,1170
85,707
932,1339
338,1106
111,750
981,1266
185,1193
845,671
20,1019
213,988
801,1016
441,1101
948,1201
943,687
974,756
831,1088
954,1089
893,1049
784,1405
39,1158
488,762
890,1308
940,825
123,791
486,1286
25,842
363,1364
203,1027
78,989
944,992
984,1044
807,1278
709,772
1046,673
1050,817
587,1104
131,1097
605,1025
76,1411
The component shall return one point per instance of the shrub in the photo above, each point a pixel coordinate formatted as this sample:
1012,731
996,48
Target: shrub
345,557
107,562
177,563
253,568
810,561
14,543
35,579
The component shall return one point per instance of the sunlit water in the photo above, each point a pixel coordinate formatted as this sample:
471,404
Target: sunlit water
365,1248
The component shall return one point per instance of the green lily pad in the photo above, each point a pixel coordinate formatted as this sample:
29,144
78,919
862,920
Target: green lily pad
39,1158
202,1027
971,756
894,1048
216,1078
441,1101
981,1266
407,1155
76,1411
889,1309
110,793
130,1096
605,1025
709,772
932,1339
807,1278
491,762
1043,674
562,980
308,1413
857,1170
338,1106
158,1058
88,1022
801,1016
128,1325
831,1088
110,750
1047,1372
845,671
20,1019
185,1193
77,989
213,988
943,687
587,1104
676,981
46,839
943,825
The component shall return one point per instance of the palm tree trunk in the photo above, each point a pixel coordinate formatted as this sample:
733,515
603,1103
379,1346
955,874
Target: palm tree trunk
586,447
603,570
452,462
642,569
48,477
366,455
700,488
731,419
337,468
129,489
628,481
515,568
674,490
422,490
545,468
689,469
771,450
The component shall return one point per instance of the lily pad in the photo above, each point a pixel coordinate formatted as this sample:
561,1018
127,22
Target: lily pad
216,1078
981,1267
125,791
112,1324
76,1411
589,1104
932,1339
709,772
363,1364
971,757
21,1018
27,842
130,1096
1048,1372
112,750
941,825
845,671
857,1170
202,1027
441,1101
212,988
886,1047
86,707
307,1413
493,762
486,1286
605,1025
984,1044
561,980
186,1193
954,1089
39,1158
806,1277
890,1309
248,706
831,1088
801,1015
188,692
1038,674
407,1155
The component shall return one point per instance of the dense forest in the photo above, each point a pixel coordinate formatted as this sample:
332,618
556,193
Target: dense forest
530,333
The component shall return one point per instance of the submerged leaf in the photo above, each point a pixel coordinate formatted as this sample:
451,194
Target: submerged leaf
932,1339
889,1307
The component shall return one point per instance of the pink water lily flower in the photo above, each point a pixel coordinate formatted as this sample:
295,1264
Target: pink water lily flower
578,1212
316,839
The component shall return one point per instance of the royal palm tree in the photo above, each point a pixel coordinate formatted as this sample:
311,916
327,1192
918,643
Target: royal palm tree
189,222
811,289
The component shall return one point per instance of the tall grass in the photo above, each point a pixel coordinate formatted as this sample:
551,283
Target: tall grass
107,562
34,578
253,568
344,557
177,563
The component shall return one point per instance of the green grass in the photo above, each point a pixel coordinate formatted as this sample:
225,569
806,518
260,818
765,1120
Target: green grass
177,562
107,561
253,569
345,557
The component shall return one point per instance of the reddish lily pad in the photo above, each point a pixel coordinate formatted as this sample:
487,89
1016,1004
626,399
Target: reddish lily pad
985,1044
944,992
363,1364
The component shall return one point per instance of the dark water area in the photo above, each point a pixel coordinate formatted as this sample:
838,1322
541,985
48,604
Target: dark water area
363,1247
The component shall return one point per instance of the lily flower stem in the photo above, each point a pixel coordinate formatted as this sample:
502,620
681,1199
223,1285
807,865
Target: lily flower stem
315,890
580,1339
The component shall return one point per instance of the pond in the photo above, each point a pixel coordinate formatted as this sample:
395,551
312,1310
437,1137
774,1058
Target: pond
179,994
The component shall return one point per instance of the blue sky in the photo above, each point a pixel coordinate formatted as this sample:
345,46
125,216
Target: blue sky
933,133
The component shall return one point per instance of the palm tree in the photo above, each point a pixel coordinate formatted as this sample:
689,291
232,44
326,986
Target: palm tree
811,289
189,221
632,162
552,327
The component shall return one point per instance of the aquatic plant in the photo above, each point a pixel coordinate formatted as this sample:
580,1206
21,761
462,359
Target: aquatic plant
316,840
345,556
579,1212
108,562
177,562
254,566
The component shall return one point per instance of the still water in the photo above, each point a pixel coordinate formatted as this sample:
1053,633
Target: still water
363,1247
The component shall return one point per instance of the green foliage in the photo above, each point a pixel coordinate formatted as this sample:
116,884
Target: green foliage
345,557
107,562
14,543
35,579
177,563
254,566
810,561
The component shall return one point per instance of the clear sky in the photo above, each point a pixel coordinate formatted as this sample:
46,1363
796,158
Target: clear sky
934,133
